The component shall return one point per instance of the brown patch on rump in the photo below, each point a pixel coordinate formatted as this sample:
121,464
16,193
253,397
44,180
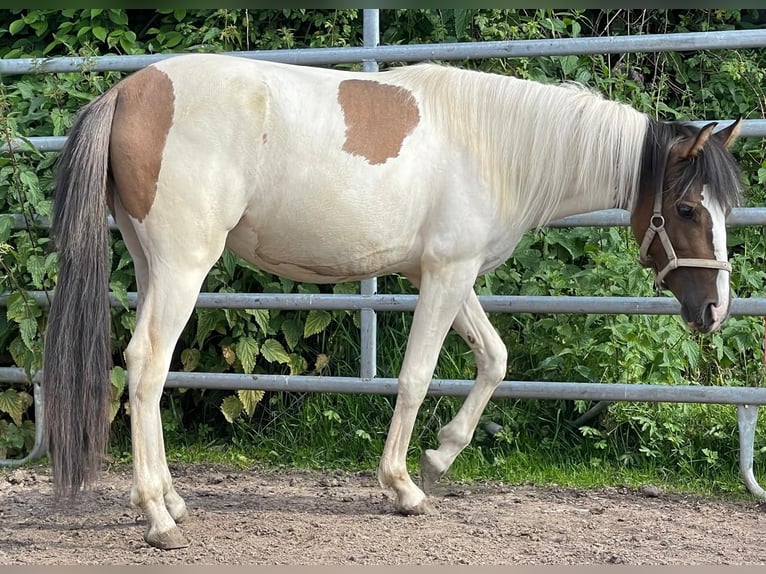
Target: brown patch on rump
378,117
140,127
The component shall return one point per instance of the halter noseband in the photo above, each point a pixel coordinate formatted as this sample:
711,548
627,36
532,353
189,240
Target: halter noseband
657,229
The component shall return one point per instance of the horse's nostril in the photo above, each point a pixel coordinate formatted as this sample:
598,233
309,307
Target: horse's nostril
708,318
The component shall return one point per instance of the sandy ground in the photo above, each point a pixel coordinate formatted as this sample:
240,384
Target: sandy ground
300,517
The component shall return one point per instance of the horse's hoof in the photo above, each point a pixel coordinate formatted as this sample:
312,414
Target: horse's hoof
177,508
422,507
430,472
181,516
170,540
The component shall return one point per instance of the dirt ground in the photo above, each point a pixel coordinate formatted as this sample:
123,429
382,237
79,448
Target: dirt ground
301,517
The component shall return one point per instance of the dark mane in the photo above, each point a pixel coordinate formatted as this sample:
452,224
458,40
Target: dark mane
715,166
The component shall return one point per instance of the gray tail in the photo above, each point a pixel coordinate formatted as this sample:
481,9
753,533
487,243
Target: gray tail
77,355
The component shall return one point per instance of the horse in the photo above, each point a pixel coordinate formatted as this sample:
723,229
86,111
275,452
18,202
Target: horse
320,175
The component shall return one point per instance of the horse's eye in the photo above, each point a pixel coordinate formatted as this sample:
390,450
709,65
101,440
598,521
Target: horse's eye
685,210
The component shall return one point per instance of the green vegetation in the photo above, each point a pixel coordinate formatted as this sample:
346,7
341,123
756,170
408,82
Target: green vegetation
689,446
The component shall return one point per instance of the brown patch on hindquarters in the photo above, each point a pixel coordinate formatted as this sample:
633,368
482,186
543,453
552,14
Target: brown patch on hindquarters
378,117
142,120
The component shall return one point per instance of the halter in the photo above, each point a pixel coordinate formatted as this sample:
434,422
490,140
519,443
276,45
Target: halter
657,228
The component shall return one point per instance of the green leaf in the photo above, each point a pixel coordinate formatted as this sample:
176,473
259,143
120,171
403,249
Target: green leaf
298,364
172,39
363,434
462,21
316,322
250,399
569,64
247,350
6,225
347,288
100,33
208,321
117,379
273,351
16,26
120,292
12,402
118,16
261,317
231,407
229,262
190,359
692,352
28,330
16,307
293,331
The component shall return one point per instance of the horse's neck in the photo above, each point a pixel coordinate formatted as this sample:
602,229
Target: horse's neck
587,201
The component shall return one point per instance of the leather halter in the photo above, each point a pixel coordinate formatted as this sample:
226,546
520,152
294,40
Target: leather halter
657,229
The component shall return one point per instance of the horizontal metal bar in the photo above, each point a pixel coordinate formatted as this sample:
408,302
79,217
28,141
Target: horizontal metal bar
750,128
739,217
453,387
39,143
755,306
688,41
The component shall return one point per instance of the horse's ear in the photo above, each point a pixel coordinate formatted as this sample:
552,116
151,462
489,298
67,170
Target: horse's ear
728,134
699,142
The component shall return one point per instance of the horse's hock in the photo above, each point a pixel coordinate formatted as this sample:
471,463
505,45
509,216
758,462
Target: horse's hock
747,400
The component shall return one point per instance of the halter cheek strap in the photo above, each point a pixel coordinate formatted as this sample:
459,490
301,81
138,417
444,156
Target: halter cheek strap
657,229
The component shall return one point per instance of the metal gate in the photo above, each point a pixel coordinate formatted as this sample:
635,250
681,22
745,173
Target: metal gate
369,302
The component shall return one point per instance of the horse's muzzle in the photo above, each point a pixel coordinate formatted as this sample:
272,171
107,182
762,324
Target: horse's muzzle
708,318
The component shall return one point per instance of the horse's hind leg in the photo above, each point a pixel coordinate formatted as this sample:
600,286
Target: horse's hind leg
491,363
173,502
171,268
169,300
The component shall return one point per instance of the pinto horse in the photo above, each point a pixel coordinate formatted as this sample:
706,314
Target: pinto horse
324,176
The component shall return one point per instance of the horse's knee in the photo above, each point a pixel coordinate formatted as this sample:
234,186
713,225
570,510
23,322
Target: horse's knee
411,390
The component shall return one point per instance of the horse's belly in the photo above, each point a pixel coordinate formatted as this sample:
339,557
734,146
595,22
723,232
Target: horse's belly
320,255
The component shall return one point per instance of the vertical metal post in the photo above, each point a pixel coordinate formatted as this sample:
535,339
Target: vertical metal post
39,449
747,419
369,319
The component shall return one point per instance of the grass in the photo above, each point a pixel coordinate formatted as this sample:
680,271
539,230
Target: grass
580,468
574,472
686,448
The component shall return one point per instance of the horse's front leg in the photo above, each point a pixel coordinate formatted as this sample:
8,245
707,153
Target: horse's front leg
474,327
443,289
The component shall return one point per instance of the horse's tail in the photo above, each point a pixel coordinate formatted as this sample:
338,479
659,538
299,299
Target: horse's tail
77,356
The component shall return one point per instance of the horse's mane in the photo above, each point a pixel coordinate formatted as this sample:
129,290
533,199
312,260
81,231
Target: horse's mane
539,143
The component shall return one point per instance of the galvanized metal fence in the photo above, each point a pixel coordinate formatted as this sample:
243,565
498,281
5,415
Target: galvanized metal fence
369,302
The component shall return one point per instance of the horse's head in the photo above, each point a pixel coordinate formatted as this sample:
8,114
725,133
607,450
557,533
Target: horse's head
689,181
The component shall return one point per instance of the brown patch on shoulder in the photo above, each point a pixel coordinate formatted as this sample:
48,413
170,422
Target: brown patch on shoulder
378,117
142,119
